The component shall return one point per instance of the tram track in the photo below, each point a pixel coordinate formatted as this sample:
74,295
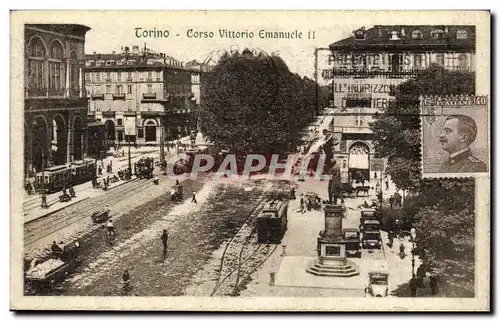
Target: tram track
41,228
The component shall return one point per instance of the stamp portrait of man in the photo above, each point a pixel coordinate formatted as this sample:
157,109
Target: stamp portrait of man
457,134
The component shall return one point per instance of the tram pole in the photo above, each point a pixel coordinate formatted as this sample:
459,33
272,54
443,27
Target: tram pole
129,158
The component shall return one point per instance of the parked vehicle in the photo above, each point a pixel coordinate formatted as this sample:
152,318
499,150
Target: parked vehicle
100,216
370,225
368,214
371,239
144,168
353,242
378,284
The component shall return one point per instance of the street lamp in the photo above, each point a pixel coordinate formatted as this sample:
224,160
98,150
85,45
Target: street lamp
413,234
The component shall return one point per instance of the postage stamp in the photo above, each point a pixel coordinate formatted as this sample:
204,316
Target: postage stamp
250,161
455,135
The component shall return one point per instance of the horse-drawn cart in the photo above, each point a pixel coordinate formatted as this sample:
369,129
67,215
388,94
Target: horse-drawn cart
100,216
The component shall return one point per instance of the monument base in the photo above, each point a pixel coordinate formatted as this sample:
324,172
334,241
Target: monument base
332,260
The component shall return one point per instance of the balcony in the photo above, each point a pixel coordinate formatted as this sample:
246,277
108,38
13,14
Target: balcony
149,95
129,79
356,130
97,96
108,113
119,96
129,113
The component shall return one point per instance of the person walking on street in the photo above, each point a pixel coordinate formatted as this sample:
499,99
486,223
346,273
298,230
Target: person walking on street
126,279
386,185
413,287
193,200
433,284
302,210
164,240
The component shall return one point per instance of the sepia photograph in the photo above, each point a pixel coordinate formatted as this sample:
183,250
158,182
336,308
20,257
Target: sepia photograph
189,160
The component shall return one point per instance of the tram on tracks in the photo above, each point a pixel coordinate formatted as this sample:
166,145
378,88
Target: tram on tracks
54,179
272,222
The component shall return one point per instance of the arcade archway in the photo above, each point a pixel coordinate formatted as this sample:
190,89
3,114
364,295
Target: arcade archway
59,140
150,131
78,138
359,162
110,130
40,141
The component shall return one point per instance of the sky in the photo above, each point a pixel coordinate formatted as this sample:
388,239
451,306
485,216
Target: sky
109,35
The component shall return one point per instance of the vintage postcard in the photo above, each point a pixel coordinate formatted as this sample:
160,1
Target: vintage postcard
250,160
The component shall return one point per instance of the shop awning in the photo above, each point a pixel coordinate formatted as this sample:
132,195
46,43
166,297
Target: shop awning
95,124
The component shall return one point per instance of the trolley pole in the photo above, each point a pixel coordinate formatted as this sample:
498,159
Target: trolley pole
44,198
129,158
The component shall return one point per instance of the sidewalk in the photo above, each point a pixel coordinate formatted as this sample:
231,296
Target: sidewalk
31,206
85,192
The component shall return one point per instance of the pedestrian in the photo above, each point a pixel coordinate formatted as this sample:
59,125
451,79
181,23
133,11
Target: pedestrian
193,200
375,175
99,170
126,279
292,194
386,185
413,287
56,250
302,210
176,182
433,284
420,276
164,240
94,183
391,201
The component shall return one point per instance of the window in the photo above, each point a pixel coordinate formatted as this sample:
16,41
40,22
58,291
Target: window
129,76
463,62
462,34
56,67
150,75
36,67
129,89
394,35
417,34
158,75
440,58
140,132
87,76
437,34
417,61
359,34
118,89
150,89
120,122
97,76
119,76
108,89
108,76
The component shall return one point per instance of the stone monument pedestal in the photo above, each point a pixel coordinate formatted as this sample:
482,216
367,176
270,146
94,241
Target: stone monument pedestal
331,259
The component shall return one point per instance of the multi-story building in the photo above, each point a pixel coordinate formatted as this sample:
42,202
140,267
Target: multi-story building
55,103
365,66
140,96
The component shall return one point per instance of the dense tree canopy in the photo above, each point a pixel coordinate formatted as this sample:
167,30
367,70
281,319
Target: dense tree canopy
253,103
442,210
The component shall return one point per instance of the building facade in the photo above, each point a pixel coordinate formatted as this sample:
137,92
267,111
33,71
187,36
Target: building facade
364,67
55,103
141,96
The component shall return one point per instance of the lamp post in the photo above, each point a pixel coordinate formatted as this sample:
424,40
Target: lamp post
129,158
413,234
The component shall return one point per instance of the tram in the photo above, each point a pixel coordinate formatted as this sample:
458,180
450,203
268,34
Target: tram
272,222
55,178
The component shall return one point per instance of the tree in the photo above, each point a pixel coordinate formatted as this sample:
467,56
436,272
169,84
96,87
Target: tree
253,103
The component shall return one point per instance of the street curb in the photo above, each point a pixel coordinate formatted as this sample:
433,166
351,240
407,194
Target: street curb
58,210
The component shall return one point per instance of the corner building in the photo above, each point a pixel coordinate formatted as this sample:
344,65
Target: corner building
364,67
141,96
55,102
